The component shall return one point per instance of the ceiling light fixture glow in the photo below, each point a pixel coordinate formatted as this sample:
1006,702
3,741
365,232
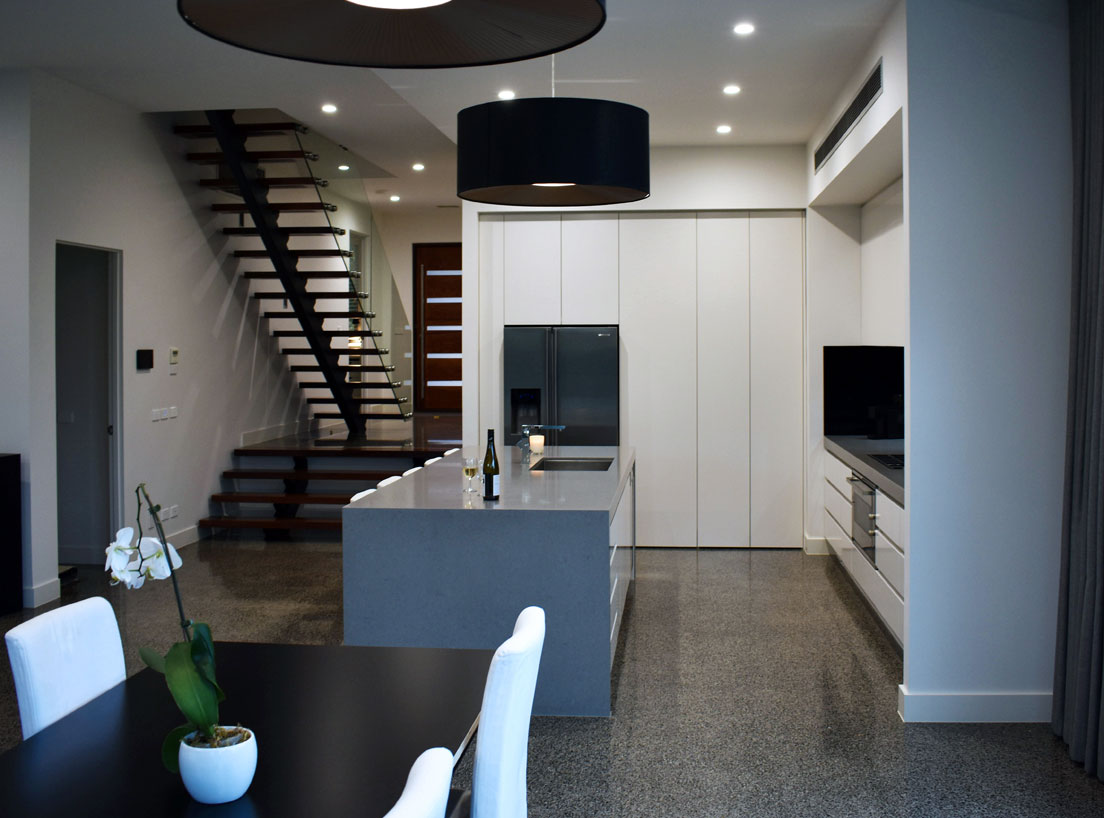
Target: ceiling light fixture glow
342,167
506,93
398,4
398,33
597,150
724,129
329,108
395,197
744,29
418,166
732,90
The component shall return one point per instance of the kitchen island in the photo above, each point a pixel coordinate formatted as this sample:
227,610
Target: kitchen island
427,565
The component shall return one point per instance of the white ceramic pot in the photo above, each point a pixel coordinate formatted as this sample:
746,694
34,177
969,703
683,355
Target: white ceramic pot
215,775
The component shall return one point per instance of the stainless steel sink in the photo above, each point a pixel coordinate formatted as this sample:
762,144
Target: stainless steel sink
572,464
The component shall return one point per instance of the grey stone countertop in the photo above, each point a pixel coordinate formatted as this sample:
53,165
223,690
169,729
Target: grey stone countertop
855,452
440,485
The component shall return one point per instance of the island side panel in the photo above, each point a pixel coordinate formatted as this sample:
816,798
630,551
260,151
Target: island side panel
459,578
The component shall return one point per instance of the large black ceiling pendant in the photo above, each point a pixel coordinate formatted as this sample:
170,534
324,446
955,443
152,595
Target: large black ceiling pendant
384,34
552,152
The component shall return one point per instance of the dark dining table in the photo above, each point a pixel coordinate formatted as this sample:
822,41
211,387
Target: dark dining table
337,730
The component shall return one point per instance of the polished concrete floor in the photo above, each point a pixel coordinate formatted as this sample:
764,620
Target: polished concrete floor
747,684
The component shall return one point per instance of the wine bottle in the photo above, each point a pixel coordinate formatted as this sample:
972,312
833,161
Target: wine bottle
490,469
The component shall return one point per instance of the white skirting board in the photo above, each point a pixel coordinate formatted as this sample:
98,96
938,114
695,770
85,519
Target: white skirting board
42,593
816,546
1022,707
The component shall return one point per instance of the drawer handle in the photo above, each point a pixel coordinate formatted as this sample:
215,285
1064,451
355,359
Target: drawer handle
872,531
872,516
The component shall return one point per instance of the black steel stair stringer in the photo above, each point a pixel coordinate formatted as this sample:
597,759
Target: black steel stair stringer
254,192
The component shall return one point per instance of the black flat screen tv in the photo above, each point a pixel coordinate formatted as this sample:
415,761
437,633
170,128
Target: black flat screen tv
864,391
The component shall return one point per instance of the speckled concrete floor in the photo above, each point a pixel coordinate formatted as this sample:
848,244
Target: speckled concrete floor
747,683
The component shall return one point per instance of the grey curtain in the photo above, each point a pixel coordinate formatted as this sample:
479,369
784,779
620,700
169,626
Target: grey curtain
1078,715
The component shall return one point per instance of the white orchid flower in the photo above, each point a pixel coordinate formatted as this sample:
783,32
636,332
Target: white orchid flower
119,556
155,558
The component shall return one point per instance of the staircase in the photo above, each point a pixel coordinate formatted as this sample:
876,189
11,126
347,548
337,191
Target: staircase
268,186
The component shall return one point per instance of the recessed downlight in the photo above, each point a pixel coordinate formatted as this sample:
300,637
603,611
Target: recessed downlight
329,108
418,166
506,93
342,167
731,90
743,28
723,129
398,4
395,197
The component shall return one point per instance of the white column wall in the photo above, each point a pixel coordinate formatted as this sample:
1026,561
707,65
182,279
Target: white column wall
989,201
884,263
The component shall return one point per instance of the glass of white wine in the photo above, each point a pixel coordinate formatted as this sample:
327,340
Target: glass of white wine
471,468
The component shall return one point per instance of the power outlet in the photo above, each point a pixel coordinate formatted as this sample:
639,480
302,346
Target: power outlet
156,415
175,509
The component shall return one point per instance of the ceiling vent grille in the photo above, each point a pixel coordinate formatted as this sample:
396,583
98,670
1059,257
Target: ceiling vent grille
871,90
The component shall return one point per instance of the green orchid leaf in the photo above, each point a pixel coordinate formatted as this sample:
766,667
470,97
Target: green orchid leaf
203,654
196,697
153,659
170,747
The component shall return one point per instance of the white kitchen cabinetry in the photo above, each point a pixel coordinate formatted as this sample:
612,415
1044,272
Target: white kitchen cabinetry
532,267
659,385
622,560
724,433
777,395
883,586
588,270
561,269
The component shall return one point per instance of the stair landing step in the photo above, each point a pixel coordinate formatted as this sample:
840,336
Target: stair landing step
278,524
282,499
345,449
294,474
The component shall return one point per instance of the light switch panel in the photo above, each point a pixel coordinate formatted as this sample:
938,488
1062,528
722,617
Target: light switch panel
174,355
156,413
165,413
173,411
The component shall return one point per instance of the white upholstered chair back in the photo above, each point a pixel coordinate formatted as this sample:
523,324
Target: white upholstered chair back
431,461
387,481
427,787
63,659
361,494
450,451
411,471
502,743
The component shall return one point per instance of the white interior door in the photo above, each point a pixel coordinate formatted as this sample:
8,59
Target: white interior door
777,366
658,307
723,379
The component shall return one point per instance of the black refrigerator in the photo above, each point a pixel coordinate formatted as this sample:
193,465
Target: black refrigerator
562,376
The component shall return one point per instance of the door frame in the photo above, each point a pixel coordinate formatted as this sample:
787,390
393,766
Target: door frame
115,490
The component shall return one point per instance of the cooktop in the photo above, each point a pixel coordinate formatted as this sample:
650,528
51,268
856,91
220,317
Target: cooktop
892,461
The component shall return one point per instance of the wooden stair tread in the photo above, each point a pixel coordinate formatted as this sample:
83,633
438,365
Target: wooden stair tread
269,181
368,415
218,157
331,333
279,524
280,294
281,498
318,314
250,128
345,368
338,350
260,275
308,475
392,401
336,253
278,207
287,231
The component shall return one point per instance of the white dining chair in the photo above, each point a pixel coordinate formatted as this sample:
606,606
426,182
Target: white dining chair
361,494
411,471
450,451
387,481
63,659
427,786
502,742
431,460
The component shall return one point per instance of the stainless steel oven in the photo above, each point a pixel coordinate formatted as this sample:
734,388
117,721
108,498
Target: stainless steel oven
863,499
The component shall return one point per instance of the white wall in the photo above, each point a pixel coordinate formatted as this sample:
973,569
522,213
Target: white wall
15,315
884,263
989,201
401,229
123,185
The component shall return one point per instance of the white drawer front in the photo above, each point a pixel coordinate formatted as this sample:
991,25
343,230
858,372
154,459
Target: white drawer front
836,473
884,599
839,542
891,563
839,507
892,522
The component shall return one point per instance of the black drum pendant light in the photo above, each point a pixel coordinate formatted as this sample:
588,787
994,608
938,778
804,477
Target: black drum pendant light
399,33
552,152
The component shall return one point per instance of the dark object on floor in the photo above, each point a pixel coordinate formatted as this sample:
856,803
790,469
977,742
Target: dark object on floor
11,517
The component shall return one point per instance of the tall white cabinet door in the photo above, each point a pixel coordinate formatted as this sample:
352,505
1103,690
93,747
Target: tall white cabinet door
724,430
658,312
777,398
588,278
532,255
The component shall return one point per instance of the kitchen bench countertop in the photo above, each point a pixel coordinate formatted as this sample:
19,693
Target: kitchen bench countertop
441,485
856,452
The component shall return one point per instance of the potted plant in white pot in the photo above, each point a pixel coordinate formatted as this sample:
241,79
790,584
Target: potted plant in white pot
216,762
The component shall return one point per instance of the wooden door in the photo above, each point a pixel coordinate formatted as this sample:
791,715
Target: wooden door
437,321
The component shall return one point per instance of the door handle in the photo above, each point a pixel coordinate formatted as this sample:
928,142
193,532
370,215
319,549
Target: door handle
110,429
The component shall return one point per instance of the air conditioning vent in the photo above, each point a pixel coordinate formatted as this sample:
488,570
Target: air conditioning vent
871,90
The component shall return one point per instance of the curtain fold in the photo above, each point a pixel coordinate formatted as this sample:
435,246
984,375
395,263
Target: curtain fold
1078,710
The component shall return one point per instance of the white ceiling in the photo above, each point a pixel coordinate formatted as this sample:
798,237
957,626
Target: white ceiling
670,58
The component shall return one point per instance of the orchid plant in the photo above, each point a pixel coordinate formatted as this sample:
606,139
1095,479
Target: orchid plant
189,665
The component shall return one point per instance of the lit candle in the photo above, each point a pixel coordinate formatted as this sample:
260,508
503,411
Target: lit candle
536,443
